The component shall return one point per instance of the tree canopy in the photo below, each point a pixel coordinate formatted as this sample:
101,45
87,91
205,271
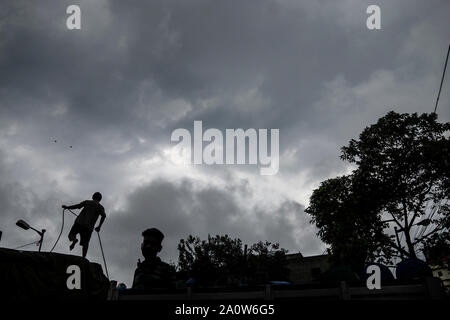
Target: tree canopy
395,200
221,260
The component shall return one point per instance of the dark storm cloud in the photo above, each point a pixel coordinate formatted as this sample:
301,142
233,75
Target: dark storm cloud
129,62
21,202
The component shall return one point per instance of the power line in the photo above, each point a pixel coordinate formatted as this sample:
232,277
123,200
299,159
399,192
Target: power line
442,80
28,244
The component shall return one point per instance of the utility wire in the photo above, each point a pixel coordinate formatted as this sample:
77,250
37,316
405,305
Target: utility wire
28,244
442,80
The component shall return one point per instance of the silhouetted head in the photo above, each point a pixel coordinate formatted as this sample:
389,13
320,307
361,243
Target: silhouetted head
151,244
97,196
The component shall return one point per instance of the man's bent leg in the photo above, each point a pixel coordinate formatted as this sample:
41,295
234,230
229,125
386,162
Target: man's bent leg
74,242
85,237
85,250
73,237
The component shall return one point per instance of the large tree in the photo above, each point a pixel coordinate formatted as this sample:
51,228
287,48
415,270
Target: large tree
395,200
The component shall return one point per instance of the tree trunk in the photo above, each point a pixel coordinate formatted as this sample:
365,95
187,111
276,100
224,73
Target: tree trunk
412,252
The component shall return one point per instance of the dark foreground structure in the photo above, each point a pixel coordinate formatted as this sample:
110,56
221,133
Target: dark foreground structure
26,275
425,289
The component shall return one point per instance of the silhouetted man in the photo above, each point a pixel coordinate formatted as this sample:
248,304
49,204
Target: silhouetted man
153,273
85,222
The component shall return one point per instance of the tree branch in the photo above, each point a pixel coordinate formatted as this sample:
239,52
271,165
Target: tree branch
386,256
421,200
399,249
438,228
395,220
405,214
412,252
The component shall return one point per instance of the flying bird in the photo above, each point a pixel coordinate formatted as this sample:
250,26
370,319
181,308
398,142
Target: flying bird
55,141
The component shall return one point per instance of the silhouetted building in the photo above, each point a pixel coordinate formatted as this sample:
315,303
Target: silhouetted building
442,272
306,269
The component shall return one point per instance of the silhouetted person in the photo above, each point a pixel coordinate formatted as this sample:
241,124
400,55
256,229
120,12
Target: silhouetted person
85,222
152,273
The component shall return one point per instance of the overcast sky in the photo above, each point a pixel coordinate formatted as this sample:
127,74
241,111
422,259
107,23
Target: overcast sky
111,94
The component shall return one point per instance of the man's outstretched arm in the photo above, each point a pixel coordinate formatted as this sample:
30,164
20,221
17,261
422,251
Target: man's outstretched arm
102,219
75,206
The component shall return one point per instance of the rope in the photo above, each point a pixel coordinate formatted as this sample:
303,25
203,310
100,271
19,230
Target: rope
103,254
72,212
62,227
60,233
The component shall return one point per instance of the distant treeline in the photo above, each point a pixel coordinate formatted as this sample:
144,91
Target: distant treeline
221,260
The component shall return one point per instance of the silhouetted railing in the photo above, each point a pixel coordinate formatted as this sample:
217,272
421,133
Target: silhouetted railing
429,288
